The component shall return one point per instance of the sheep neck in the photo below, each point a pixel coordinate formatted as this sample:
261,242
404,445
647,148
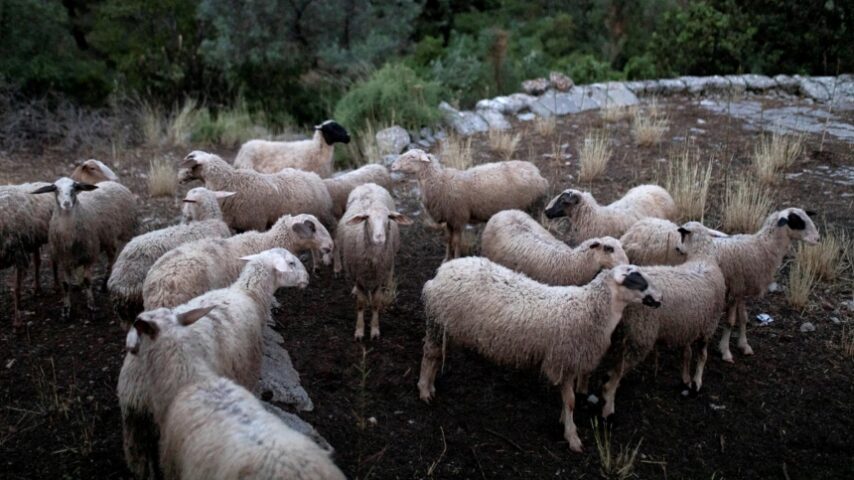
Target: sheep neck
257,280
774,241
207,208
217,174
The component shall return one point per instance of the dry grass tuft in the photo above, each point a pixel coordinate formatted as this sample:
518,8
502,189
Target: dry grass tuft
181,122
594,156
776,153
545,127
614,114
162,179
827,258
618,465
653,108
802,278
456,152
846,342
688,183
746,204
151,123
504,143
648,130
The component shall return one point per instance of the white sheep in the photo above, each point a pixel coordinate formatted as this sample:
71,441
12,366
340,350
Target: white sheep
217,430
341,185
588,219
262,198
458,197
513,239
519,322
654,241
694,293
86,221
194,268
749,263
136,258
314,155
368,240
93,172
24,227
218,333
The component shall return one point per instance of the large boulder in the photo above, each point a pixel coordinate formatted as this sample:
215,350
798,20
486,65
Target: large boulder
300,425
560,82
758,83
463,122
494,119
564,103
279,379
392,140
507,105
616,94
535,86
820,89
670,86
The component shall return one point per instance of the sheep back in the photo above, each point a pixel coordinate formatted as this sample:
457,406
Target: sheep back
24,222
311,155
653,241
340,186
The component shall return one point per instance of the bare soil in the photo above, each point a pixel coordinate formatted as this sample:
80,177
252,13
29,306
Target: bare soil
786,412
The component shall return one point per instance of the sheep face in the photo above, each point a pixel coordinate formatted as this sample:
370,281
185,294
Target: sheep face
333,132
696,238
799,225
314,235
563,204
411,162
192,167
630,285
199,196
607,251
148,326
288,270
377,223
65,191
93,171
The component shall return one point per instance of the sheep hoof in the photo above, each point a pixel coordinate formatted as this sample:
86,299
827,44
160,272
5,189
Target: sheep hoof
575,445
426,394
695,388
746,350
65,313
727,357
375,333
359,335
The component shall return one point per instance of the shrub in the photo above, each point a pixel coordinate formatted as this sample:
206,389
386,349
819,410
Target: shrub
826,258
394,91
802,278
229,127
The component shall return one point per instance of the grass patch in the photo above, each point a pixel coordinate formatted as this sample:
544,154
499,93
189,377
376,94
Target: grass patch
594,156
648,130
151,124
846,342
179,126
746,204
827,258
775,153
456,152
802,278
615,114
688,182
619,464
504,143
545,127
162,179
229,127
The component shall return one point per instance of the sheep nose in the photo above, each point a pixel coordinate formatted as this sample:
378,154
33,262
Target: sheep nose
379,238
65,205
649,301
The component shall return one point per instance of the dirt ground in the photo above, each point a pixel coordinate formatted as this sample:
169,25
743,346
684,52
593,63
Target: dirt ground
786,412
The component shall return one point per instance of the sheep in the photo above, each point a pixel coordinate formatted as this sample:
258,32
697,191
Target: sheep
368,240
84,225
137,257
263,198
314,155
457,197
217,429
93,172
695,298
513,239
218,333
194,268
513,320
24,227
589,219
749,262
653,241
340,186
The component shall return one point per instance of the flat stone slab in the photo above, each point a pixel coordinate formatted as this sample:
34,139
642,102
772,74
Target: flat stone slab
463,122
553,103
796,118
494,119
279,380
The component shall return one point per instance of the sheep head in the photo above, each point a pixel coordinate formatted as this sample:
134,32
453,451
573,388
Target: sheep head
65,190
607,251
377,222
629,284
288,270
799,225
93,171
192,167
696,238
333,132
148,326
310,232
197,199
412,161
563,204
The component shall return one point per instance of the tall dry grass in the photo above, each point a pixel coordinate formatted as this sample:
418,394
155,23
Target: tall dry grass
593,156
746,204
615,114
648,130
456,152
162,178
827,259
617,464
545,126
688,182
775,153
181,122
151,122
503,143
802,279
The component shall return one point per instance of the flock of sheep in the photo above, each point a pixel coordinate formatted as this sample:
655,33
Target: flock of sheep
194,353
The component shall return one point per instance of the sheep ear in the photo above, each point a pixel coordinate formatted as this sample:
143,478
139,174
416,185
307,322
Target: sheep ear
132,341
424,157
400,218
190,317
782,222
188,162
595,245
86,187
796,222
684,232
635,281
571,198
811,213
302,230
356,219
248,258
224,194
44,189
140,327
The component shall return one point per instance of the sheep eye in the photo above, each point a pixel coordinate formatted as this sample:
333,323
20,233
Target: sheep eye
609,249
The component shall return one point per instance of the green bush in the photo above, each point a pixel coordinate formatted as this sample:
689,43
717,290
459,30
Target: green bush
586,68
393,93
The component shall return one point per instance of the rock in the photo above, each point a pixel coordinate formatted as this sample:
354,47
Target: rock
279,380
670,86
526,117
536,86
820,89
640,87
807,327
494,119
506,105
787,83
564,103
427,133
463,122
737,83
774,288
388,160
619,95
560,82
758,83
849,304
835,320
424,144
592,399
300,425
392,140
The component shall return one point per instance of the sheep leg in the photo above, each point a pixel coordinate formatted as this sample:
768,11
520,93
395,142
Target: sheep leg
57,285
376,303
429,366
65,288
742,329
111,259
87,285
336,261
458,240
628,357
703,354
361,303
581,384
449,243
570,431
687,354
16,296
723,346
37,266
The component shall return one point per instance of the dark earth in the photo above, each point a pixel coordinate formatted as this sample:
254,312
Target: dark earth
786,412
